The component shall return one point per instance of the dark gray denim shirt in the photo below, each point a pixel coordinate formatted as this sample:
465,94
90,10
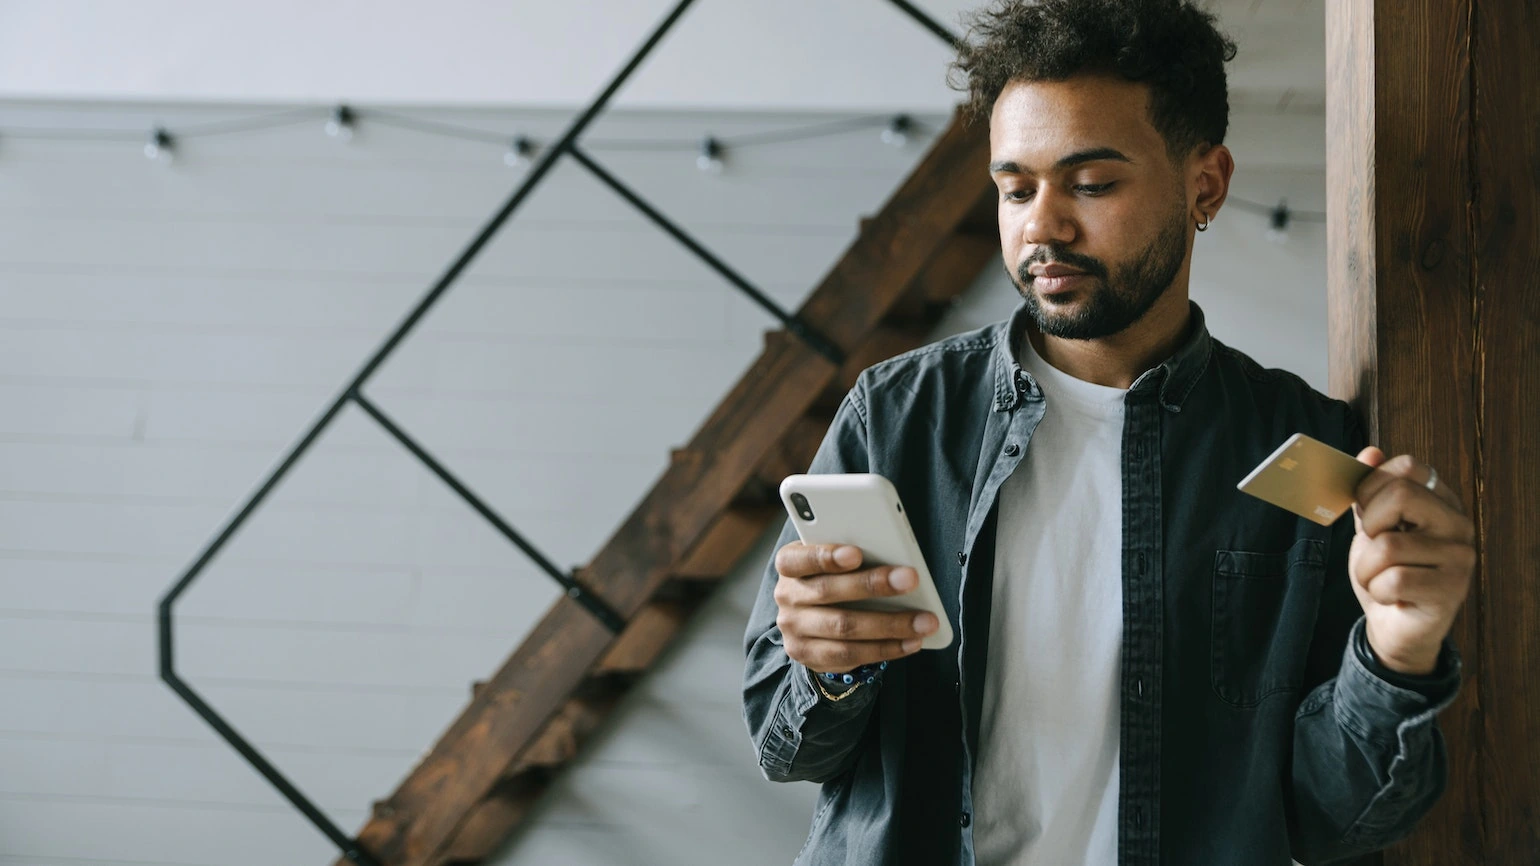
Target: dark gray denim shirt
1251,730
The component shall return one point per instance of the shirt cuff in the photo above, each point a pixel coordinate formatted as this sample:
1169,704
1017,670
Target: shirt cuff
1380,703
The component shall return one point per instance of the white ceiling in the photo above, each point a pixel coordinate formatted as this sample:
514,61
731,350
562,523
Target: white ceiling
746,54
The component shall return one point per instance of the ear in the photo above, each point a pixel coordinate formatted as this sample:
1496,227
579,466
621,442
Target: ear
1208,179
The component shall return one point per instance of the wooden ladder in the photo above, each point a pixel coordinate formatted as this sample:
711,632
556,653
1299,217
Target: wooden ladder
713,502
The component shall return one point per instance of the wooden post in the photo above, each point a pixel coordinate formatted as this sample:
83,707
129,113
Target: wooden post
1433,188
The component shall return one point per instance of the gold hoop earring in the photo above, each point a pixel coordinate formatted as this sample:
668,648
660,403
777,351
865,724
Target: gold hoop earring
1203,226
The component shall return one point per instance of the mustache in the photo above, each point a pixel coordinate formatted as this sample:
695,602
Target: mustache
1045,256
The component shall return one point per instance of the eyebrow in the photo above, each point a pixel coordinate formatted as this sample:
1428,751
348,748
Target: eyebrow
1094,154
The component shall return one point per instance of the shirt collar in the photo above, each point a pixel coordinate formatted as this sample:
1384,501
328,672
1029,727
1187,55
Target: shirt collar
1175,376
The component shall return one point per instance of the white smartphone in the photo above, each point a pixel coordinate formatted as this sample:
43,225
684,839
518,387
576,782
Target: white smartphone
863,510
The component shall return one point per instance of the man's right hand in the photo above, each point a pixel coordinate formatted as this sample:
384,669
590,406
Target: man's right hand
829,639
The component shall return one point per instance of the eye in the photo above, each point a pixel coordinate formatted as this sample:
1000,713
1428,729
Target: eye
1014,195
1095,188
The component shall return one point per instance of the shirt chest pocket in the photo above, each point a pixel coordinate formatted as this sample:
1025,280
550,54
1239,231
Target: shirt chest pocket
1265,607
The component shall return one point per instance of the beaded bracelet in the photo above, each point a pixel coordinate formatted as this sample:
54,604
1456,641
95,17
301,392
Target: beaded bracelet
864,674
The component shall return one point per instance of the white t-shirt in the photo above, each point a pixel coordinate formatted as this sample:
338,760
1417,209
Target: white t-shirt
1046,789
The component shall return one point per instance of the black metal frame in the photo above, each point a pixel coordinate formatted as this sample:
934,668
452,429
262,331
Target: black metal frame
353,393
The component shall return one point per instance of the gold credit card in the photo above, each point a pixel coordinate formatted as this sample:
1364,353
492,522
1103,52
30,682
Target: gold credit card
1308,477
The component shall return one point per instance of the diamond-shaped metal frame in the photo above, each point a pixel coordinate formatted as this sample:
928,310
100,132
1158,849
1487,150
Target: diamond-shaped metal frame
567,145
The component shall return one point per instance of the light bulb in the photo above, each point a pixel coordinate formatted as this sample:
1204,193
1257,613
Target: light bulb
160,146
340,124
710,158
520,152
1278,223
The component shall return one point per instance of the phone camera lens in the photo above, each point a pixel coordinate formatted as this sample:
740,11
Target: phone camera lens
800,502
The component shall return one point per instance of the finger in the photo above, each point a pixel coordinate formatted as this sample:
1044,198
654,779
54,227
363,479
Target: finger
800,560
1413,550
840,623
1401,501
822,589
1442,490
1373,457
1428,588
1405,467
837,656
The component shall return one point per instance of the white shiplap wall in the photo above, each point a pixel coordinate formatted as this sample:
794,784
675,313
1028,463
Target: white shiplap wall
166,332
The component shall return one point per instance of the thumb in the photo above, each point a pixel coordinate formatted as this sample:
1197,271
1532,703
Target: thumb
1374,457
1371,455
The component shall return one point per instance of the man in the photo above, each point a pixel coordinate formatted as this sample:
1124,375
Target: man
1151,666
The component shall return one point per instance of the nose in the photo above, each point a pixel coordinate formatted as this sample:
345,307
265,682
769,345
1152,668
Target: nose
1046,220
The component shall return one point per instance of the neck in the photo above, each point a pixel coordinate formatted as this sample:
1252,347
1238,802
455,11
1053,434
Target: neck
1118,360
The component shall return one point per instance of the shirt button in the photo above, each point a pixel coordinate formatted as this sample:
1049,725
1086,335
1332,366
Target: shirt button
787,731
965,819
1011,450
1139,686
962,558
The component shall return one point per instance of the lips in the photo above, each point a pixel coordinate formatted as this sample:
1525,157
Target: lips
1053,284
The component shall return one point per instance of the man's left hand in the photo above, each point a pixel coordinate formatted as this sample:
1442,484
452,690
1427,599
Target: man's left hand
1411,561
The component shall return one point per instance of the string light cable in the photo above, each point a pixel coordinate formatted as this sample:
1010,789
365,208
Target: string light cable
1279,216
342,122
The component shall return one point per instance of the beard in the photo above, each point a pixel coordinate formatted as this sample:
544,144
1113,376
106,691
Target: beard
1108,304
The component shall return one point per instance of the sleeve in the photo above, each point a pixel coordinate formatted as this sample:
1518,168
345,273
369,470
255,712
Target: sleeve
1369,760
798,734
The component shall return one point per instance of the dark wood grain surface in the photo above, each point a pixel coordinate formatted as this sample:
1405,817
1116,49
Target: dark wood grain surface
1505,211
1433,116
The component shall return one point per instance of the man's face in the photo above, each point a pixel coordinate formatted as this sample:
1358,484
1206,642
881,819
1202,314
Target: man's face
1093,215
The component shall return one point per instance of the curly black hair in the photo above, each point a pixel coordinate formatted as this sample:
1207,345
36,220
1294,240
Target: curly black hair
1170,45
